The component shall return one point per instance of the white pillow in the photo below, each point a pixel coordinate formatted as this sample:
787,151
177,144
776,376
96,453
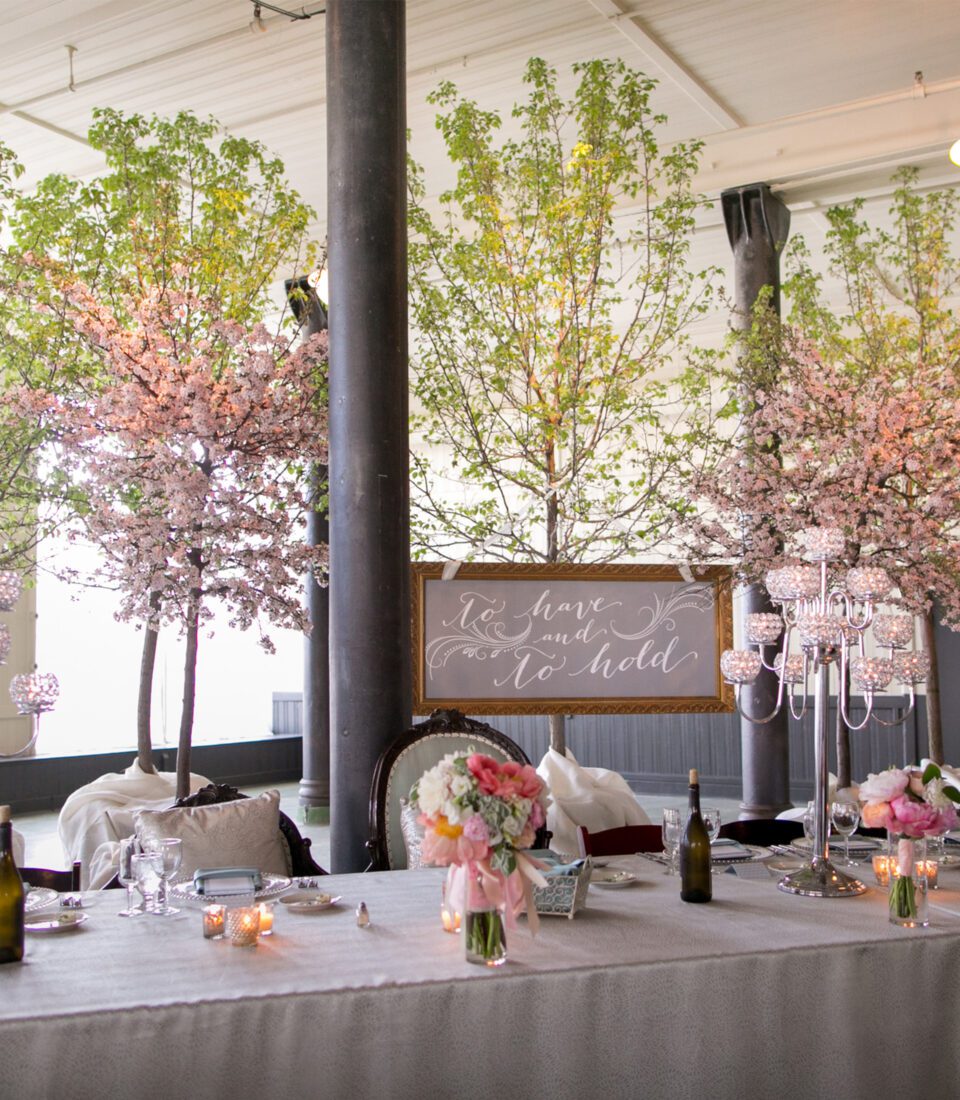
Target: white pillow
245,833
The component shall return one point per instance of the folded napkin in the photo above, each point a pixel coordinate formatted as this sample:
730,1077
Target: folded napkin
725,848
227,880
221,887
596,798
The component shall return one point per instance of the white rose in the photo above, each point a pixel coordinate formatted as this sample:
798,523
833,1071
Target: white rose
460,785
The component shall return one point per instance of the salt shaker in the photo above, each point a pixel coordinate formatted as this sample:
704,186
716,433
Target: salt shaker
363,917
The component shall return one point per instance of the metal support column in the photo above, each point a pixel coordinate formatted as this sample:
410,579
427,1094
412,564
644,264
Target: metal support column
370,679
315,783
757,227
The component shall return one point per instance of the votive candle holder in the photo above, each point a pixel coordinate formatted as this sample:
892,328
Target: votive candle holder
881,869
265,909
214,917
243,926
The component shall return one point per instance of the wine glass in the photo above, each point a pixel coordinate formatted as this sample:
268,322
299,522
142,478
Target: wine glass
671,829
127,877
141,864
711,820
809,821
845,817
166,854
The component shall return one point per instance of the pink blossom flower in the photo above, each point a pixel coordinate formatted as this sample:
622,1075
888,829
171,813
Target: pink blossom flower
475,828
912,818
885,786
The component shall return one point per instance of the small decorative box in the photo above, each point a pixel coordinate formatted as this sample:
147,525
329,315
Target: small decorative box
567,884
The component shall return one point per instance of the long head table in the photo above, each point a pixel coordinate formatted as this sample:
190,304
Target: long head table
758,994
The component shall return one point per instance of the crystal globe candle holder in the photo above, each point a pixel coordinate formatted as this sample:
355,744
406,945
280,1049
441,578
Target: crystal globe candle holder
763,628
794,673
801,582
822,543
4,643
11,585
820,630
871,673
774,584
34,692
868,582
740,666
911,668
893,630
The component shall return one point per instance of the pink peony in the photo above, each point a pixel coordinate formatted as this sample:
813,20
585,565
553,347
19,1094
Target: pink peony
504,780
913,819
876,815
444,850
475,828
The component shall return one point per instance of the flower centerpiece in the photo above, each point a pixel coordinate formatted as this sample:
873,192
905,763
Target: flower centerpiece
911,804
478,815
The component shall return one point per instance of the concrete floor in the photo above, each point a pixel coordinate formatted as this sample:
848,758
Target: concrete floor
43,843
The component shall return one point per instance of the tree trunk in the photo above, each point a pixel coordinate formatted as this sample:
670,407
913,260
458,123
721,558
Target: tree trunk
189,697
843,738
148,658
934,730
558,722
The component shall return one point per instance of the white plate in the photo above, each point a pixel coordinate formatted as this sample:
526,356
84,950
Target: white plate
304,902
611,878
38,897
272,886
60,921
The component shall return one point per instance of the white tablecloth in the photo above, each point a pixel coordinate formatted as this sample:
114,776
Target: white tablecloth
758,994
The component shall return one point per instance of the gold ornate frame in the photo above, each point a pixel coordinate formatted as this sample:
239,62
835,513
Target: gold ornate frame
721,702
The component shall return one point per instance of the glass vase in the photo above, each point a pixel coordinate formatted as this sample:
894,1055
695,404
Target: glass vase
484,929
908,882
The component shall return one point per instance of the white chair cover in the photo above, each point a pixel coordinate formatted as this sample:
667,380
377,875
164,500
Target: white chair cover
103,810
19,847
593,797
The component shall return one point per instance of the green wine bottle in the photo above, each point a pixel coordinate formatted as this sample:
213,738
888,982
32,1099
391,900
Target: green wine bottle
695,881
11,895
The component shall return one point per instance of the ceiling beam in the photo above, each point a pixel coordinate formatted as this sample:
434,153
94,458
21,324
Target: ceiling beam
660,56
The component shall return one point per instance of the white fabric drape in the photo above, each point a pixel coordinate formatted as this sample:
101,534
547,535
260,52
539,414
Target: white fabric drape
593,797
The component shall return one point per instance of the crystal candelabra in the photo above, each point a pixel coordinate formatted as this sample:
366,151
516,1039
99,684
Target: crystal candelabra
830,617
11,585
34,692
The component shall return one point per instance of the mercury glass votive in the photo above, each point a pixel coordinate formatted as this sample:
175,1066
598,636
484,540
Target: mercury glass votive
801,582
822,543
868,582
912,667
34,692
893,630
213,921
794,670
740,666
871,673
243,926
763,628
881,869
11,585
4,643
819,629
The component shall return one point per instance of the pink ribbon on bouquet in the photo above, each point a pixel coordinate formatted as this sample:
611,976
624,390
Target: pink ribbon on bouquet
514,892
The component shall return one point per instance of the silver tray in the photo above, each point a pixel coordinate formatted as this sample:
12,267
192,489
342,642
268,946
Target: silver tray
39,897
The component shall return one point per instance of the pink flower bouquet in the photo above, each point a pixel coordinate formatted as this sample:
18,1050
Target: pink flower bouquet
478,814
909,803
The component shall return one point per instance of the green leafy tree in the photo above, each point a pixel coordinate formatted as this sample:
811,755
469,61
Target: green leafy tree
551,300
181,211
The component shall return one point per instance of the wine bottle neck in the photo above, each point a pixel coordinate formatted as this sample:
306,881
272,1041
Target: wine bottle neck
694,798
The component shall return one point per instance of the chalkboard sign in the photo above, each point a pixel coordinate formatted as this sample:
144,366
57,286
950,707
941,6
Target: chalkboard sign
574,639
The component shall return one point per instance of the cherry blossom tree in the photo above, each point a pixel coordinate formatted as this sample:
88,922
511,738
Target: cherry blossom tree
189,450
181,207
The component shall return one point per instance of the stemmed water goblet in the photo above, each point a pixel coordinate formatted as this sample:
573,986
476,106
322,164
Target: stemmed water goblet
845,817
711,821
127,876
670,830
141,864
166,854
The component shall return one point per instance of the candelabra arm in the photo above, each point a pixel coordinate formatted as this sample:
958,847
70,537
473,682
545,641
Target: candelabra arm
851,725
906,714
770,717
803,709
